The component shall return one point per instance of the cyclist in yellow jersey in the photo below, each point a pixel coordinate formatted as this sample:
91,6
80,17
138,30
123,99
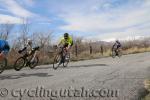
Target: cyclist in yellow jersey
66,41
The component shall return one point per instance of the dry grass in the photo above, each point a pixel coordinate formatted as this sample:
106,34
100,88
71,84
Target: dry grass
136,50
86,55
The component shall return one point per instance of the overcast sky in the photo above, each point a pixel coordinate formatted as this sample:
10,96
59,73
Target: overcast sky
92,19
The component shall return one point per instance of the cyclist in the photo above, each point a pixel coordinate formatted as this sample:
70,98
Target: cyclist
28,49
29,46
116,46
4,49
66,42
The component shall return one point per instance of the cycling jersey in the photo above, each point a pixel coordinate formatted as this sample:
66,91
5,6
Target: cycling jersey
27,49
68,41
117,45
4,46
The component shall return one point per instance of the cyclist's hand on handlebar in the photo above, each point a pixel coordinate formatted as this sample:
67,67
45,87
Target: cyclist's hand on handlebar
67,48
59,46
19,51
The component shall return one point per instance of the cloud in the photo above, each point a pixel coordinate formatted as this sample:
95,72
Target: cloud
105,20
14,11
14,8
109,19
29,2
3,10
128,34
9,19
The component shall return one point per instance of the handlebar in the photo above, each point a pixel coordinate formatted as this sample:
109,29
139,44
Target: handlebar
36,48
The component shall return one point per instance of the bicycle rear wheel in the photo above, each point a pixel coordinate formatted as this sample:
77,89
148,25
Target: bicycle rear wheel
19,64
57,61
3,64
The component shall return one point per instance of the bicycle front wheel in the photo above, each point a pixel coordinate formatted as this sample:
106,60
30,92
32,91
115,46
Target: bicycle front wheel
119,53
66,60
19,64
3,64
57,61
113,54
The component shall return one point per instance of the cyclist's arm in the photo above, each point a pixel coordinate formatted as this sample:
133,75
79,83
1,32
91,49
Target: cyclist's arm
70,41
22,49
113,47
120,44
61,42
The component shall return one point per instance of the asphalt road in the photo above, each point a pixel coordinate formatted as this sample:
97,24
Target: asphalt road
98,79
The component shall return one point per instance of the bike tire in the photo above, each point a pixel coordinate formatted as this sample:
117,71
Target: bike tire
19,66
33,65
66,62
119,53
3,66
57,61
113,54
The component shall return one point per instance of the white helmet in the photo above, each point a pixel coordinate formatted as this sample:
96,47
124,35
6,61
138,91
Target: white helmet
29,41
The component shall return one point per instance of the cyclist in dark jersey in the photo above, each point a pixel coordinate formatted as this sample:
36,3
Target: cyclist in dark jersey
116,46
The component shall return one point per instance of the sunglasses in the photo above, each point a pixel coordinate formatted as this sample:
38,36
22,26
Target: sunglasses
66,37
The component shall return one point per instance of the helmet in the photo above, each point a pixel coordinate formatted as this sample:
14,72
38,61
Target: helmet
117,41
66,35
29,41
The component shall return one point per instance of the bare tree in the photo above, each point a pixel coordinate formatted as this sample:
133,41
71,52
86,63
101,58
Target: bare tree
24,31
42,38
78,40
5,30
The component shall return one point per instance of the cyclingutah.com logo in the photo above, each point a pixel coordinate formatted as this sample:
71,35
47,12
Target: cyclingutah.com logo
41,92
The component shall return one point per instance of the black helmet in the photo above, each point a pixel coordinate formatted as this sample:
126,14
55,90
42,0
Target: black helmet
66,35
117,41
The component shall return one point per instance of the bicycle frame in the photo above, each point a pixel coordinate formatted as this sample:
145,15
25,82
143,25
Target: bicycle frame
61,52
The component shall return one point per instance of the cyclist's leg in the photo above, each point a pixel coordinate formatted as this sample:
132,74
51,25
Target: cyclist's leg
68,52
3,55
64,52
116,51
33,58
69,49
27,56
65,48
118,48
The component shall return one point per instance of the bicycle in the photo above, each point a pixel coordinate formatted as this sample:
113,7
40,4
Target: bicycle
117,52
27,60
62,57
3,64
